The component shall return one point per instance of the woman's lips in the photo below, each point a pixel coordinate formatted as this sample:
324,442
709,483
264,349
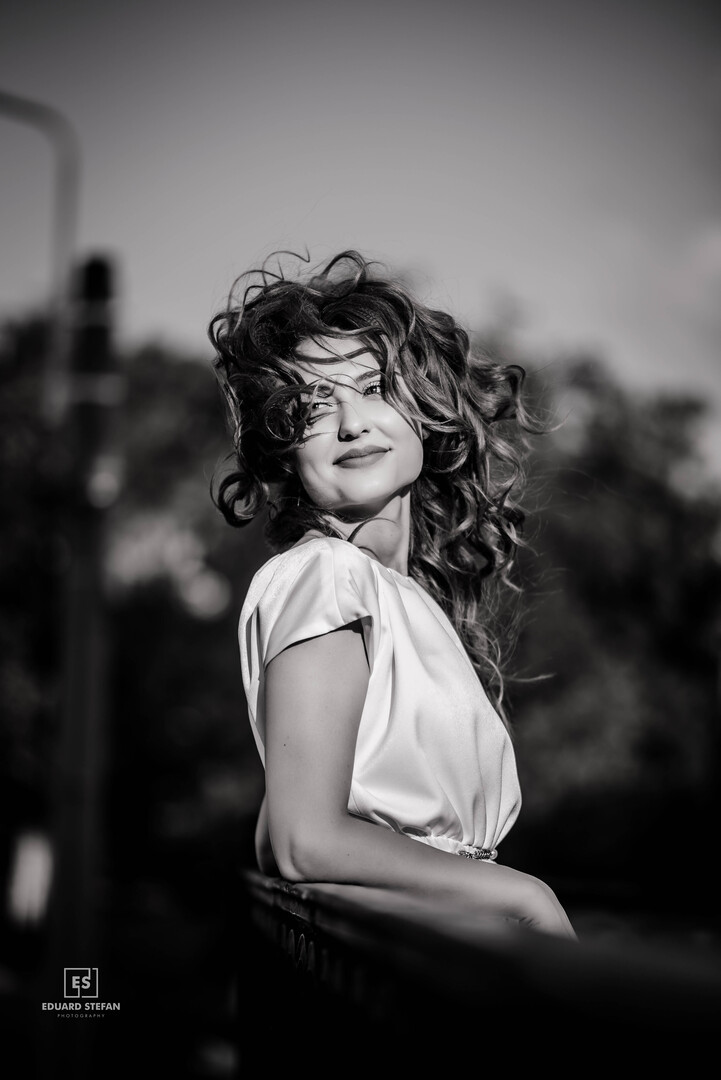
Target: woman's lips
359,461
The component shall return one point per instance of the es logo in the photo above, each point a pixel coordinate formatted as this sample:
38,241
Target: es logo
81,982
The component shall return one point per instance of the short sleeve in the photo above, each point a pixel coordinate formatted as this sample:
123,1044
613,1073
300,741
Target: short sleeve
305,592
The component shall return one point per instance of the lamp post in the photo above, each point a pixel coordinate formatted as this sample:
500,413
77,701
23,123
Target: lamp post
95,389
63,139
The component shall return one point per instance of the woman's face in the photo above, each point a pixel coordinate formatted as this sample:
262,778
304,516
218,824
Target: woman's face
359,452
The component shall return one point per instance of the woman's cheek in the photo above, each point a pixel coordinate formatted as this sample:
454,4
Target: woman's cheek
317,491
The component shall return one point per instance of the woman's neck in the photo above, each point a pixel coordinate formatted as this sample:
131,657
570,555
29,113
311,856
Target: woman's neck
385,536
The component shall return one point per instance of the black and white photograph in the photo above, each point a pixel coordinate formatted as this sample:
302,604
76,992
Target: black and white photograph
360,553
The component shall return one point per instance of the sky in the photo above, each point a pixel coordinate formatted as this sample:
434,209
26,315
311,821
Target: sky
561,159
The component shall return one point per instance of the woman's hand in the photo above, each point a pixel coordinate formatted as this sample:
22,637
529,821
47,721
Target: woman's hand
540,909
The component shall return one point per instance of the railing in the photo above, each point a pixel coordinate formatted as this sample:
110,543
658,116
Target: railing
363,981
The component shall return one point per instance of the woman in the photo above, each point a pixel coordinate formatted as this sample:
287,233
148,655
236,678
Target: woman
376,441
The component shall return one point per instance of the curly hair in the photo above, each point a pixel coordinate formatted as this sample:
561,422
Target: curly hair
465,525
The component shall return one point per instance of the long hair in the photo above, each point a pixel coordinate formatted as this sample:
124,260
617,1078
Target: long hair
465,522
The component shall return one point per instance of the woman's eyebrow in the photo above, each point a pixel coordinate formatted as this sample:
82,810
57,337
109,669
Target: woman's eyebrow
372,373
335,356
326,386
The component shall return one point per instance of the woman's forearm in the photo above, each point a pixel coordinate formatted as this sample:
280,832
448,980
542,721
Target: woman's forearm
357,852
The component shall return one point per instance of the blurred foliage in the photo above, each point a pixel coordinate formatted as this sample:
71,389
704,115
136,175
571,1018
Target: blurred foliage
177,574
617,746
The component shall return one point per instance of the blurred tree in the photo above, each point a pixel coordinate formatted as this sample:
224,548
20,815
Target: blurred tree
176,576
618,748
183,780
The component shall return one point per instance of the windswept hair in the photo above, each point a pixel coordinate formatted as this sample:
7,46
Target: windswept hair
465,524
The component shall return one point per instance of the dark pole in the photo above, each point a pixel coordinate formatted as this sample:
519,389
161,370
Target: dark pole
95,387
66,188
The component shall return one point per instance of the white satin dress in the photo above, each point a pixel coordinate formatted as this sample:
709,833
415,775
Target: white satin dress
433,759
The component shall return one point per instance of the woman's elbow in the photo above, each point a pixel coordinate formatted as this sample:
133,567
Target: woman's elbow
301,857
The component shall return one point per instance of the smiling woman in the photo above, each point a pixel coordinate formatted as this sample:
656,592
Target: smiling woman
381,447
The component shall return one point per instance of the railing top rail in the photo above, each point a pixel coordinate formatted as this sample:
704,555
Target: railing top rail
457,950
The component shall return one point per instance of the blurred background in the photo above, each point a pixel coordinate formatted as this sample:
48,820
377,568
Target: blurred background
550,174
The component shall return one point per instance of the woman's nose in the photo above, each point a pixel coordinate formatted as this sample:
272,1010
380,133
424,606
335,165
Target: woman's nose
352,421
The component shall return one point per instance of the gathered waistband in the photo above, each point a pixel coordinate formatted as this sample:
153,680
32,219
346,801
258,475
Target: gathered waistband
455,847
470,852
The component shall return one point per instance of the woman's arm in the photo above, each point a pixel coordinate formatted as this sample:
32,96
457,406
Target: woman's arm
314,697
263,848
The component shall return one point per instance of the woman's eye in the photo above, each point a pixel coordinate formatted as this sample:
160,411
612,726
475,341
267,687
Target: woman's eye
316,410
